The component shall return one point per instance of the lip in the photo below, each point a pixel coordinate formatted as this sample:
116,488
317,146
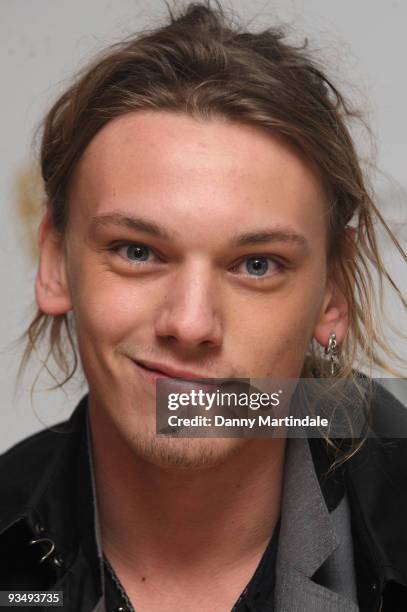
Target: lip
178,380
164,371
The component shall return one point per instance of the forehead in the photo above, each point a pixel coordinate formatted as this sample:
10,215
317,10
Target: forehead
167,163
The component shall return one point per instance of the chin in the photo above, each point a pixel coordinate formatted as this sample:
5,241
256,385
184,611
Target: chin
185,453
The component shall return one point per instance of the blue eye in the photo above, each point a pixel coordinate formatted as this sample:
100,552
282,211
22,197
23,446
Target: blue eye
136,252
257,266
132,252
260,267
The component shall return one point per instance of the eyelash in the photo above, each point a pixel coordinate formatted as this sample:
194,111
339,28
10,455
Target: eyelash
115,247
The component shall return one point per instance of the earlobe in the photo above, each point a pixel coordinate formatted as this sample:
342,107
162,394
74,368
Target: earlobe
51,284
51,297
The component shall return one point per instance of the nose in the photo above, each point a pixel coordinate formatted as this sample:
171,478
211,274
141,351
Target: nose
190,312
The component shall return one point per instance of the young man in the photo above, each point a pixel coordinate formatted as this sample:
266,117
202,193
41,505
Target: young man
200,182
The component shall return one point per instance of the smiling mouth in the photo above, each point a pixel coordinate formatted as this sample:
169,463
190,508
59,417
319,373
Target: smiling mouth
209,381
169,372
177,384
143,367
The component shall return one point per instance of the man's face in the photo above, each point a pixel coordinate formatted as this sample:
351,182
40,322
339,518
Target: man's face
222,272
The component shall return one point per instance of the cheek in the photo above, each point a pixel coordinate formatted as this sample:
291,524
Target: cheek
107,307
279,326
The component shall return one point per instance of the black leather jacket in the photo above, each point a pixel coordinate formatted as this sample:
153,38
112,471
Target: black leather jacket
47,510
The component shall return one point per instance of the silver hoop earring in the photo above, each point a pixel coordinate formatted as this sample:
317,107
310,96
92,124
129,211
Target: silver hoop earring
332,351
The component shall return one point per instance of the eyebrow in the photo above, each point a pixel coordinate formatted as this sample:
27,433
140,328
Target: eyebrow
278,233
274,234
130,222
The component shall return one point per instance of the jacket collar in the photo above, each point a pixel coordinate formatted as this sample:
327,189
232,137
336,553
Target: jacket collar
311,538
307,536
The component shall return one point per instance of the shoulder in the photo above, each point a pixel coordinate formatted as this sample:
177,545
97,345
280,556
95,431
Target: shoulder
31,452
376,477
381,462
24,465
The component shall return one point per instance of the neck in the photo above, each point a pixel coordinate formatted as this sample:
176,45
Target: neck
167,517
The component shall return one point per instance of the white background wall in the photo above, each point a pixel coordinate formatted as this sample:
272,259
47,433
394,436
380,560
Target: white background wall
42,42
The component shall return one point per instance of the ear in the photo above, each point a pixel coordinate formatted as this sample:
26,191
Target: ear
334,312
333,316
51,284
